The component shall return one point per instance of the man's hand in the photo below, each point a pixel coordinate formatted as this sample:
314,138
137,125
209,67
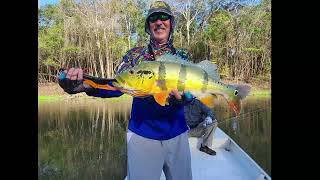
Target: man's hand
74,74
71,81
207,121
176,94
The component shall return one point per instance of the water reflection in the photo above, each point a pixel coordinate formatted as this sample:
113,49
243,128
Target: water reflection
82,140
86,139
252,130
235,126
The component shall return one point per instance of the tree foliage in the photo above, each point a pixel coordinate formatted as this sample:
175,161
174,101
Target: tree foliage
95,34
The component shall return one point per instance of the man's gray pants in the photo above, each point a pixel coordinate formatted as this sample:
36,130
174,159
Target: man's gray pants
147,158
206,132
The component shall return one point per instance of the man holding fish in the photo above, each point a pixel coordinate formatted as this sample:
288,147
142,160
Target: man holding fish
157,136
157,77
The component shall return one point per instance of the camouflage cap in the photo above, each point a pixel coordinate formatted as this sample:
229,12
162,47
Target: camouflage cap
159,6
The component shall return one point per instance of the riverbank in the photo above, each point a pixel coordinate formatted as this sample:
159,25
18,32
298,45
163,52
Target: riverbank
53,92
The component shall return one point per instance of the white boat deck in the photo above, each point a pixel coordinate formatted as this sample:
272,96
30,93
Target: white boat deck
234,164
230,162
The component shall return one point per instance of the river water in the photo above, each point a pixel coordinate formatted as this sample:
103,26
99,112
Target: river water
84,138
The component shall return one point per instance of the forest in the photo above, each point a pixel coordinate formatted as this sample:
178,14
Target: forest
96,34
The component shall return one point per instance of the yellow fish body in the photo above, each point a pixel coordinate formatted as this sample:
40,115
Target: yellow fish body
169,72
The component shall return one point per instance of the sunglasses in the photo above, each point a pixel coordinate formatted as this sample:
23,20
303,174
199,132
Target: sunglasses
162,16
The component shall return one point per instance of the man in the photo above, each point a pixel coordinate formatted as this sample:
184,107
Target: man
202,123
157,136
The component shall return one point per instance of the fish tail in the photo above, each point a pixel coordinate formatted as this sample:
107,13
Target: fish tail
243,90
234,101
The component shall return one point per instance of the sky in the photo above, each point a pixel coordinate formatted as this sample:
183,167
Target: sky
45,2
42,3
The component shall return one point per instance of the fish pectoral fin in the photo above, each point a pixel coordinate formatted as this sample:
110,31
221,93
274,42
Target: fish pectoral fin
208,100
98,86
161,98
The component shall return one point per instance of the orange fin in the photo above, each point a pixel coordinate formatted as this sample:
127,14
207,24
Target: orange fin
235,106
161,98
99,86
208,100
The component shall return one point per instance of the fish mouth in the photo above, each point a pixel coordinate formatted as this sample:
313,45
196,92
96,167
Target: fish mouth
125,87
122,85
119,78
122,82
119,82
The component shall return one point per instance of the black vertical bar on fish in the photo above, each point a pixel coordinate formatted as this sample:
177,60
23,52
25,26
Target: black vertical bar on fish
162,77
182,78
205,82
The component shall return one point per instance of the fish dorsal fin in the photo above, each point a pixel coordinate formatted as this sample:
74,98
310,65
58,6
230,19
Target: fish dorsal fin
168,57
161,98
206,65
210,68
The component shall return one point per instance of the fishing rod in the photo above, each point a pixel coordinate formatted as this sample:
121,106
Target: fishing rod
95,82
236,117
103,83
86,76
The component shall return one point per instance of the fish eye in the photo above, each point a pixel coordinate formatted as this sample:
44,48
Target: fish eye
235,92
131,72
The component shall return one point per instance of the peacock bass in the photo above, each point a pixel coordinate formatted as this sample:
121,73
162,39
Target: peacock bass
158,78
